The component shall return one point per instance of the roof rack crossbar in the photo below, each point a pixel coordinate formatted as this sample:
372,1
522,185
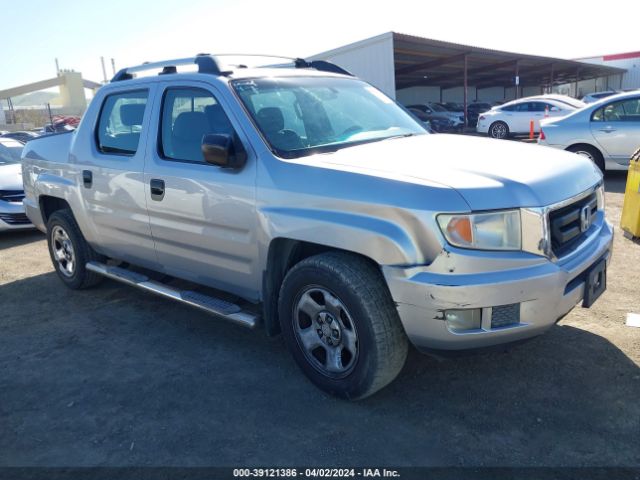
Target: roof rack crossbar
206,64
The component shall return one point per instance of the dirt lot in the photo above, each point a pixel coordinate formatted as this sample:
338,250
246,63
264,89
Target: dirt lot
113,376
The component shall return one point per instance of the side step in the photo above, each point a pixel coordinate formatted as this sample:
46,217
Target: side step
213,305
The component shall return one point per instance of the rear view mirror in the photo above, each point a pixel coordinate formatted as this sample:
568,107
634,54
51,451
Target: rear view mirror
223,151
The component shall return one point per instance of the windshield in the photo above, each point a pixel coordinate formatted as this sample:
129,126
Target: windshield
304,115
10,151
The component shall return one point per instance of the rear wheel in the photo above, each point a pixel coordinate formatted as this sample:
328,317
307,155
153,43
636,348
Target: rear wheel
70,252
499,130
341,325
591,153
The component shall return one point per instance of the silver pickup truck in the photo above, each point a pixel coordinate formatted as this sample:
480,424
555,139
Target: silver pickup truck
298,197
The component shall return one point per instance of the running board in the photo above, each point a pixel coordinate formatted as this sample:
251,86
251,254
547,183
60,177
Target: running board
213,305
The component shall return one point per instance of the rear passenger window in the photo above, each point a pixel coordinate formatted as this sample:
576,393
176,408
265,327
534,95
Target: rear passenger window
188,114
120,122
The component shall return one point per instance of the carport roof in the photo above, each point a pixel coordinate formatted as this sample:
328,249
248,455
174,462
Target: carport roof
425,62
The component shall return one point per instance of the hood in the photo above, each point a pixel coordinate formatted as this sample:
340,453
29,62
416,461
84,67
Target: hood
489,174
11,177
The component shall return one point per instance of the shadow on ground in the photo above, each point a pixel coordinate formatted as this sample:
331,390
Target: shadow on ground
19,237
615,181
113,376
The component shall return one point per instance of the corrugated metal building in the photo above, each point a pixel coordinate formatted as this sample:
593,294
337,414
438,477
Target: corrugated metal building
416,69
629,80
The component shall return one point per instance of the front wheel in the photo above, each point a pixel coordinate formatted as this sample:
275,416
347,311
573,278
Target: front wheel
499,130
341,325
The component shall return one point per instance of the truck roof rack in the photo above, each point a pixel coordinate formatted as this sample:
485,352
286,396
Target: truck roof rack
209,64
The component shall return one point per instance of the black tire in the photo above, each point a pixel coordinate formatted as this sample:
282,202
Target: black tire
592,153
77,277
369,315
499,130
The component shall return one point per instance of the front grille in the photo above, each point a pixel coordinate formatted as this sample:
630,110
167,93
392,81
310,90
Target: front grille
14,218
567,224
13,196
505,315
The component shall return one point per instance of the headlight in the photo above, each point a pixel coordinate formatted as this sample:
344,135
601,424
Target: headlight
483,231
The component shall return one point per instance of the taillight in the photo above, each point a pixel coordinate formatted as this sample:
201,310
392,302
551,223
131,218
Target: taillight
541,137
481,117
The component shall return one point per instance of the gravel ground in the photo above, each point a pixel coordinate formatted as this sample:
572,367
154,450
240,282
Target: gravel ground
116,377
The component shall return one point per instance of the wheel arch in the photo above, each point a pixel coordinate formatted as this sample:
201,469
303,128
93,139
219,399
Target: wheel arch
283,254
49,204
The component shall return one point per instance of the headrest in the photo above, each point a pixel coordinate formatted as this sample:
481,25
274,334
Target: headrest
191,126
218,119
132,114
270,119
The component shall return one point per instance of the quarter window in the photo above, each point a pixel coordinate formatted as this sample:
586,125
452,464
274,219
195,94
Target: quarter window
188,114
120,122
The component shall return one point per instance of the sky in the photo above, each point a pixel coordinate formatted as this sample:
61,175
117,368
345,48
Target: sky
78,33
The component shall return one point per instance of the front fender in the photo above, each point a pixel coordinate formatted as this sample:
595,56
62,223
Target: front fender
386,241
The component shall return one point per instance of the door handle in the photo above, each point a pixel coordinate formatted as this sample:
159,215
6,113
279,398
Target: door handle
87,178
157,189
608,130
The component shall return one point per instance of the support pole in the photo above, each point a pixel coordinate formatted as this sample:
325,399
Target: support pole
551,80
517,80
104,70
466,123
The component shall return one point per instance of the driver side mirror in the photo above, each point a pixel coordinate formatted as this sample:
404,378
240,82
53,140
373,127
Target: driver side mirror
223,151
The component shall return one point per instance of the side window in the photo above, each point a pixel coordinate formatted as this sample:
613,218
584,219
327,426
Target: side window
614,112
525,107
539,106
188,114
120,122
509,108
598,115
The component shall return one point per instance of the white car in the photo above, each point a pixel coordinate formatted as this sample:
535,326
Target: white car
12,216
514,118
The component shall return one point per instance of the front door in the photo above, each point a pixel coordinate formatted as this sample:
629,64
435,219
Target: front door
616,127
203,217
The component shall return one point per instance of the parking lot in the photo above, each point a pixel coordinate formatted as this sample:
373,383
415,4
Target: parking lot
113,376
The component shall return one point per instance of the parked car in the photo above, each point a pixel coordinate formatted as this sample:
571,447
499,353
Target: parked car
423,118
437,124
607,131
566,99
22,137
323,210
436,111
12,216
453,107
595,96
475,109
514,118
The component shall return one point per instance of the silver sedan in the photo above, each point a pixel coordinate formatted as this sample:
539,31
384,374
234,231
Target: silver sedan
607,131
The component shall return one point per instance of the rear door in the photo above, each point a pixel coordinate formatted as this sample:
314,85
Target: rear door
616,128
113,190
202,217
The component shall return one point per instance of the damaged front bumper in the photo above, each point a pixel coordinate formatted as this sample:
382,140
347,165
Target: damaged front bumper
519,295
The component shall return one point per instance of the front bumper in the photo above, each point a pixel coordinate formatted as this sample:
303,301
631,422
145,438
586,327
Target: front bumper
544,291
12,217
